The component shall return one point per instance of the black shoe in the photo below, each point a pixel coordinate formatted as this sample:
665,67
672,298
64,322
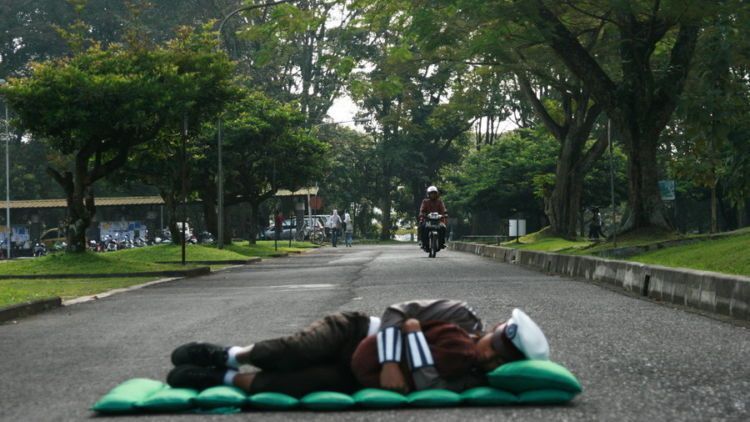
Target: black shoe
200,354
197,377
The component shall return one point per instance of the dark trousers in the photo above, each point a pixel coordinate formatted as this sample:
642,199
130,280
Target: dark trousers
425,236
315,359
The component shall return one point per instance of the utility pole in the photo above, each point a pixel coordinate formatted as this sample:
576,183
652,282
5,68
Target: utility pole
220,183
612,181
184,185
7,176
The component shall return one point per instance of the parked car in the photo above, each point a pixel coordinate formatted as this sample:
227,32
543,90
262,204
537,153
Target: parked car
52,236
288,228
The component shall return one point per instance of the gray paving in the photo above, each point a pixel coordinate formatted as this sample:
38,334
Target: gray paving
637,360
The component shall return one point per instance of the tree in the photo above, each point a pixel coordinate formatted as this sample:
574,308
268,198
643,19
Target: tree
710,127
95,106
302,51
352,175
265,149
498,181
656,43
423,110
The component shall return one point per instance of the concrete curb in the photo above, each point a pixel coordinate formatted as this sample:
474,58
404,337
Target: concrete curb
217,262
193,272
29,308
716,293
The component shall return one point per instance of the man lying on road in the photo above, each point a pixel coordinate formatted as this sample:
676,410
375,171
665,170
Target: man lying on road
416,345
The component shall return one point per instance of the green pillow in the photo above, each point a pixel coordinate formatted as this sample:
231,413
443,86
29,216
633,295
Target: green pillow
377,398
122,399
545,397
221,396
327,400
525,375
272,401
169,400
434,398
488,396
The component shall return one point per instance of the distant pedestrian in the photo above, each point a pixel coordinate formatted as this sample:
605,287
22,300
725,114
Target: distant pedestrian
335,223
595,226
278,223
348,229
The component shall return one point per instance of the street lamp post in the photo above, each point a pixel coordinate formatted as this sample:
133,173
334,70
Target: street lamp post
7,174
220,172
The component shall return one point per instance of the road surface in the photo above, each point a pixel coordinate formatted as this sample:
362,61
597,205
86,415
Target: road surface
637,360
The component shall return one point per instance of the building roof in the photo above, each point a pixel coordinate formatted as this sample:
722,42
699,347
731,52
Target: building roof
61,202
301,192
126,200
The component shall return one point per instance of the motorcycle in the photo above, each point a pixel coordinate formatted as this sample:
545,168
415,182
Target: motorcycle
110,244
40,249
432,225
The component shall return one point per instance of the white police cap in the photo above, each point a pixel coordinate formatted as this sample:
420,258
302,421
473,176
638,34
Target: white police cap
528,338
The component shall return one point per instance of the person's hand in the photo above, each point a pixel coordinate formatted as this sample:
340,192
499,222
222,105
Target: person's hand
391,378
411,325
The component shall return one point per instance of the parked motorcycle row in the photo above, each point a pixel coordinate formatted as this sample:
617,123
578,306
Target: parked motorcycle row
115,243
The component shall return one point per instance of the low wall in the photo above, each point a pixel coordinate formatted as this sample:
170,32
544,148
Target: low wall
722,294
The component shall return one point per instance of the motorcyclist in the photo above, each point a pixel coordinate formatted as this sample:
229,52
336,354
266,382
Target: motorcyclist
432,203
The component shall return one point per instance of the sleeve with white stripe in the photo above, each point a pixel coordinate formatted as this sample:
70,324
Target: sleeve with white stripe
389,345
418,352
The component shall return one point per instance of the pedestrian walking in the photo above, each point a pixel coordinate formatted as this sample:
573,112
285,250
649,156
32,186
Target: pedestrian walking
278,223
595,226
348,229
335,222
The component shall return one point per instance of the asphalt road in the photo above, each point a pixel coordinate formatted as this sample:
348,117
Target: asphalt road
637,360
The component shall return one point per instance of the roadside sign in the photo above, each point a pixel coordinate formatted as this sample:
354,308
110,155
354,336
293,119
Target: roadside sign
666,188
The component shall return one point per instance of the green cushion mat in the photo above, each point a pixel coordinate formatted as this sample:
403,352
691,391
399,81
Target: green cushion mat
221,396
169,400
434,398
376,398
526,375
523,382
327,400
272,401
123,398
488,396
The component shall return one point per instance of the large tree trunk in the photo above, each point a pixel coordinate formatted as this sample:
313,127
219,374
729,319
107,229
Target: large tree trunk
565,202
714,214
80,203
170,203
645,207
253,229
386,206
210,215
741,214
81,212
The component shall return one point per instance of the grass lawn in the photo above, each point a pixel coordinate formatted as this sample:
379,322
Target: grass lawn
124,261
19,291
543,241
726,255
637,238
173,253
265,248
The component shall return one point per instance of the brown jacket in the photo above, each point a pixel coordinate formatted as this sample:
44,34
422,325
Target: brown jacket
428,206
454,352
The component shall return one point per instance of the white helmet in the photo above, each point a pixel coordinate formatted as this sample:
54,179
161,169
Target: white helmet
432,189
